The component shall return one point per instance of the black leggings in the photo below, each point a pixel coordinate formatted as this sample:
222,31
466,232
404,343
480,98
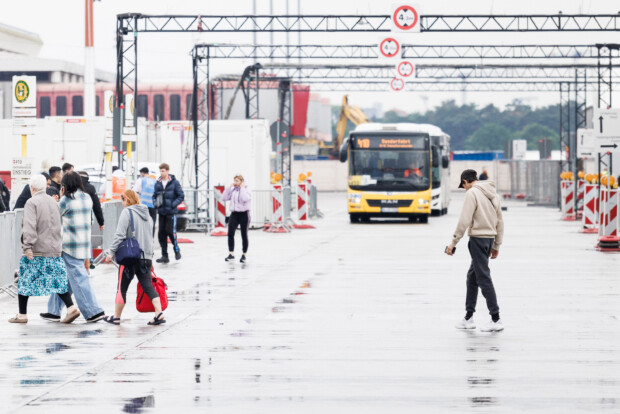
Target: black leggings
238,218
142,270
23,301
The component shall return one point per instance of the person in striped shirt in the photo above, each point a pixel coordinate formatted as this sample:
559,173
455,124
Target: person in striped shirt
75,211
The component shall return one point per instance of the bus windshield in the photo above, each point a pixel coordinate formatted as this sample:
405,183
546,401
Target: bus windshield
389,170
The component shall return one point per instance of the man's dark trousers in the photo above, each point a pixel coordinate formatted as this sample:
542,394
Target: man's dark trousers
167,229
479,275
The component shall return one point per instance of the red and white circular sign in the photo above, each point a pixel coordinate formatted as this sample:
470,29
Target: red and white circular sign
397,84
389,47
405,69
405,17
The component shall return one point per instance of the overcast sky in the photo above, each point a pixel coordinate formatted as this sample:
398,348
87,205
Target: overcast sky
165,57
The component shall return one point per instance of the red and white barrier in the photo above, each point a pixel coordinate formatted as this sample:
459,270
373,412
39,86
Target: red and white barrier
608,220
568,200
590,208
277,224
608,217
303,196
580,194
220,228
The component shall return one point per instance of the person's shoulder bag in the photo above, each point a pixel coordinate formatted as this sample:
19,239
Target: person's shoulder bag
129,251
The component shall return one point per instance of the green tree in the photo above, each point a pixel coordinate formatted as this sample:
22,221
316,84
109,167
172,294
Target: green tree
489,137
532,133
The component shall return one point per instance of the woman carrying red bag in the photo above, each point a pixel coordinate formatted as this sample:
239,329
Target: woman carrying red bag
142,232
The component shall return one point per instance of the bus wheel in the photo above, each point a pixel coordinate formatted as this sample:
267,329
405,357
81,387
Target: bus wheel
354,218
424,219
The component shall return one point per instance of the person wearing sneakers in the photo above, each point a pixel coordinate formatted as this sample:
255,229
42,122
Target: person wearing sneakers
167,196
482,214
240,198
75,212
134,221
42,271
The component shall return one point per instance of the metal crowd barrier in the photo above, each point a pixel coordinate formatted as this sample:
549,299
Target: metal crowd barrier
537,181
102,240
262,208
313,204
10,249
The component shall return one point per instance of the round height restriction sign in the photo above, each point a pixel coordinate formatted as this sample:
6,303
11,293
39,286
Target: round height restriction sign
405,69
397,84
405,17
389,47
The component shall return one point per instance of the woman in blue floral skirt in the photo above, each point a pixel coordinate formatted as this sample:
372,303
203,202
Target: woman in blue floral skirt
42,270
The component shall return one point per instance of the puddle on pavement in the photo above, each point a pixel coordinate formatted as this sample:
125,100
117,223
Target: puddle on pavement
89,333
23,362
135,405
483,401
33,382
55,347
480,381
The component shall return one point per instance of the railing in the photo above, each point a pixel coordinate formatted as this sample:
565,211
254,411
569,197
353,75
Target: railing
10,249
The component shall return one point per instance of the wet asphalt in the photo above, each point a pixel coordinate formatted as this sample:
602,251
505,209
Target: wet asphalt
340,319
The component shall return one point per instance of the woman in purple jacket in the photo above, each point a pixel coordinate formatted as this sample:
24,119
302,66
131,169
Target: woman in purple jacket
240,198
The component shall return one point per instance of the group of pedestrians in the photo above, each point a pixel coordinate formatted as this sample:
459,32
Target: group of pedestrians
58,208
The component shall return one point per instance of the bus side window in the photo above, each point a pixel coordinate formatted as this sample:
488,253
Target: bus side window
158,105
45,106
97,109
175,107
61,106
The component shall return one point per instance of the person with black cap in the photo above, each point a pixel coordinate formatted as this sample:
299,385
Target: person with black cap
482,214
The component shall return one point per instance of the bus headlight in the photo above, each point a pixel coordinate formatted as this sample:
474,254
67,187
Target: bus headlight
423,202
355,198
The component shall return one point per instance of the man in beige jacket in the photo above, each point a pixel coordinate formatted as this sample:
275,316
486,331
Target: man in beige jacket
482,214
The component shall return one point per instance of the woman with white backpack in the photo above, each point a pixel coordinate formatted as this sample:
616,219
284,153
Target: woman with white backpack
134,222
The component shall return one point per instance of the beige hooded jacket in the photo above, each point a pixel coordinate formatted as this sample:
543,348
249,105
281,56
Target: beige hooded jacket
482,214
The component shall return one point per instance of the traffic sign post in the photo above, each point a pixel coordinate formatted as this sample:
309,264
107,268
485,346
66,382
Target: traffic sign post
389,47
405,17
606,130
129,135
397,84
108,112
24,99
21,171
586,146
405,68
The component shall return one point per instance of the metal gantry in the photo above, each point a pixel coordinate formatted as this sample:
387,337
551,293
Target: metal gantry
529,71
412,51
129,25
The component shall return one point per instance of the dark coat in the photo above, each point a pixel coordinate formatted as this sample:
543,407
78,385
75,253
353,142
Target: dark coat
90,190
172,196
23,197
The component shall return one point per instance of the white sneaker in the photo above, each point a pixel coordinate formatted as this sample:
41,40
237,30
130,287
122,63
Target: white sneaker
466,324
493,326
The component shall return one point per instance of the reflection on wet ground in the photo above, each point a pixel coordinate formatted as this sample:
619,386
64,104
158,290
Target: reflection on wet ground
344,318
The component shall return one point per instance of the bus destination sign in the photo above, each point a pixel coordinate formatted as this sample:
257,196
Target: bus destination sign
387,143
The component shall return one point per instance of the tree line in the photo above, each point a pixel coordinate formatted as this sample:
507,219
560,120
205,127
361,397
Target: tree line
485,129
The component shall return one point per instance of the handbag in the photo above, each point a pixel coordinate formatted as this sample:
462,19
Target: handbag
143,302
129,251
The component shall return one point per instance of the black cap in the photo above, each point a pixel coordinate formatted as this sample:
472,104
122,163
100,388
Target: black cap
144,170
469,176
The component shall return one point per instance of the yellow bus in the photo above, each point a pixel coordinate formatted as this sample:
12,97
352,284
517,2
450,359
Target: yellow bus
390,171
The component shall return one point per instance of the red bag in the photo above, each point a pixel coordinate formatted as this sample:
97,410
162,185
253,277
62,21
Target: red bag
143,302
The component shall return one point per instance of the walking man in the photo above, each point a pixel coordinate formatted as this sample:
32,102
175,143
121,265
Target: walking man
167,196
482,214
145,187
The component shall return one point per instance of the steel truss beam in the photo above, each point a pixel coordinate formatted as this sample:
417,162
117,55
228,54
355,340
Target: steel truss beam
606,72
521,23
286,117
499,52
409,51
136,22
558,72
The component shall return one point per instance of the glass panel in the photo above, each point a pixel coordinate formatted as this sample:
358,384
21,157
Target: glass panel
45,106
77,105
158,104
143,106
175,107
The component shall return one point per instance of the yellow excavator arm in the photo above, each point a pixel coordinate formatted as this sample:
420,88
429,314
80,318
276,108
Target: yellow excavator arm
347,113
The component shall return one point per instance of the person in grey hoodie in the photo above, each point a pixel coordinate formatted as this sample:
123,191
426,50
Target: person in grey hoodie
482,214
143,227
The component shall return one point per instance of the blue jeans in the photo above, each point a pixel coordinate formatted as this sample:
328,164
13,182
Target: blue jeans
79,285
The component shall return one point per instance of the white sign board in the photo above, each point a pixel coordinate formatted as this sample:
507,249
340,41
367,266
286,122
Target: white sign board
607,122
586,145
405,17
519,149
21,168
24,92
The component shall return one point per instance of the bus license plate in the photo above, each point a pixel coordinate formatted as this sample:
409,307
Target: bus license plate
389,209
